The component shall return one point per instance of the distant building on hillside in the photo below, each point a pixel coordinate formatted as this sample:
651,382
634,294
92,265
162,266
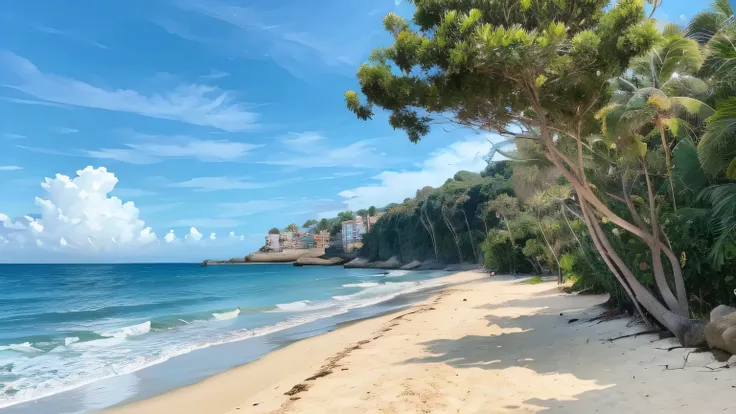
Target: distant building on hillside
322,240
308,242
352,232
289,240
273,242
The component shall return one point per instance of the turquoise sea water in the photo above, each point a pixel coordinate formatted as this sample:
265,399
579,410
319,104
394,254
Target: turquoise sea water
65,326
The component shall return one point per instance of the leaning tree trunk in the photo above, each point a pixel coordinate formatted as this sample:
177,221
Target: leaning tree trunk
551,250
470,234
688,332
454,235
668,160
430,229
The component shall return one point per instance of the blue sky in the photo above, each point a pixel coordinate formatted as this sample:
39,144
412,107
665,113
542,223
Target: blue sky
225,116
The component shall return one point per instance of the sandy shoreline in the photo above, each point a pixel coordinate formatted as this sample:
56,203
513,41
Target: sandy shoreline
478,347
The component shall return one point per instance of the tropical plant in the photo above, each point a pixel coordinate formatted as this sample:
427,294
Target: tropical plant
707,24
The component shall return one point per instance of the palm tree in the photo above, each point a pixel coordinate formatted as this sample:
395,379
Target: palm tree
717,147
707,24
658,94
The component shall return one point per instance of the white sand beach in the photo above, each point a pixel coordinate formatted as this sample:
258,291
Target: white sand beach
483,346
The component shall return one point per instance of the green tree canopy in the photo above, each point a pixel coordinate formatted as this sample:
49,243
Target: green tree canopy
534,71
274,231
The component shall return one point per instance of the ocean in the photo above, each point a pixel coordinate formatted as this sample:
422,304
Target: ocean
63,327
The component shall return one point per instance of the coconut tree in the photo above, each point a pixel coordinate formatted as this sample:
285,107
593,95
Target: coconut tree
659,94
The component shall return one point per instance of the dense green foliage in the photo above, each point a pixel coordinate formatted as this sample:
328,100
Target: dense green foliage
446,223
625,136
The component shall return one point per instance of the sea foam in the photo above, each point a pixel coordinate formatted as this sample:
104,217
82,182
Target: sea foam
227,315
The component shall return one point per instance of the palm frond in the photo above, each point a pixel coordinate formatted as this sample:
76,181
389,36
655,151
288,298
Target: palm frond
687,171
678,56
685,85
722,199
717,147
723,7
704,26
721,63
691,107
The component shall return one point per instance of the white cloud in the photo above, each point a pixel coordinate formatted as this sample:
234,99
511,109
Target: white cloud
80,211
234,236
395,186
170,237
34,102
8,223
192,104
10,168
311,149
194,234
300,46
683,17
65,130
216,74
182,147
221,183
81,220
213,236
68,34
14,136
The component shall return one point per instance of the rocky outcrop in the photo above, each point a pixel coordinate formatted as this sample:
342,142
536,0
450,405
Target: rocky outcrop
286,256
358,263
318,261
412,265
235,260
361,263
720,333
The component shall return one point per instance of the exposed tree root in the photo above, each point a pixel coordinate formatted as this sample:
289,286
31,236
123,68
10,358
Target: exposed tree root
647,332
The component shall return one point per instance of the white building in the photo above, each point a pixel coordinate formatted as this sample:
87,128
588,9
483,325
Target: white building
352,232
273,242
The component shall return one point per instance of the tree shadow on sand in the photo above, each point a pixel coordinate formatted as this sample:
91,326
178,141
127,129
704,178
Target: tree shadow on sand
545,342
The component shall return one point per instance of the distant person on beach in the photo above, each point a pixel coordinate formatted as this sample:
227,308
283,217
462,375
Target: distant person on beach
493,274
